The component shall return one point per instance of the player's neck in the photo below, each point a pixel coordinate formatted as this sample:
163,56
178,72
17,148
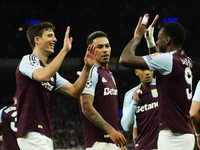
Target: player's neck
173,48
144,85
103,66
41,55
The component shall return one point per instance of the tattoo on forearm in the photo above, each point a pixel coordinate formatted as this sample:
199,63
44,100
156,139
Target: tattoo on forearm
97,120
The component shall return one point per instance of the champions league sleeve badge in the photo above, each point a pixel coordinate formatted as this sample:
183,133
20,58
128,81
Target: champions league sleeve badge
89,84
33,63
154,93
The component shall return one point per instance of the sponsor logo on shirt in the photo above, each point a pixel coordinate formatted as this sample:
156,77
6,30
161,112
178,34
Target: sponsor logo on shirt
47,85
146,107
108,91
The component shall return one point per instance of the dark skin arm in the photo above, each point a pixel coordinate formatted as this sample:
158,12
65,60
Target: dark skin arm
128,58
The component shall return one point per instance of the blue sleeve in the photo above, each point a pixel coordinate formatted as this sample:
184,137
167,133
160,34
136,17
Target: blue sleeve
1,111
161,62
27,65
129,108
92,82
60,81
135,122
196,96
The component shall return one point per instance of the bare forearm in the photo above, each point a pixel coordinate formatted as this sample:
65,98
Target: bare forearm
80,83
129,50
97,120
196,124
153,50
44,74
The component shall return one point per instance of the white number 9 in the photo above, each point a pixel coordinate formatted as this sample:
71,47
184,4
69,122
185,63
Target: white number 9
188,79
12,124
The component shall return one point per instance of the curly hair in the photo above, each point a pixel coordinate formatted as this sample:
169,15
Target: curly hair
37,30
175,31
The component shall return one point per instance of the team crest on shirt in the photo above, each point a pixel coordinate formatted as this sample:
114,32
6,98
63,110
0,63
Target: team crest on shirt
89,84
154,93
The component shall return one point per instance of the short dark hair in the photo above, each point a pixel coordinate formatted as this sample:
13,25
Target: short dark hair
94,35
37,30
175,31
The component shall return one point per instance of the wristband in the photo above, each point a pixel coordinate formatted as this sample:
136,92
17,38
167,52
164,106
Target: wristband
150,39
197,134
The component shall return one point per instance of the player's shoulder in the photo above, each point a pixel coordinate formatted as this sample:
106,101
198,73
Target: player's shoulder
131,91
94,70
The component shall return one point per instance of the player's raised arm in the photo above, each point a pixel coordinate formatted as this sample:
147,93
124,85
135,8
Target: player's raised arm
77,88
128,58
149,37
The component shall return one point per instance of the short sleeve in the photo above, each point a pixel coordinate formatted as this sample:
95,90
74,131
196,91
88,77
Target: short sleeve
92,82
28,64
1,111
60,81
161,62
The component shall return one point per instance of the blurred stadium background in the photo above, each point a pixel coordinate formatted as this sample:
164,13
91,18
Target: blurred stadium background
117,18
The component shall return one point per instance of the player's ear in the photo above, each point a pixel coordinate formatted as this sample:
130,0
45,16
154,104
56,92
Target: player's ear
36,39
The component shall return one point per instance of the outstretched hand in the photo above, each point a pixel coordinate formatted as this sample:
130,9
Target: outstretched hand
141,26
67,45
90,55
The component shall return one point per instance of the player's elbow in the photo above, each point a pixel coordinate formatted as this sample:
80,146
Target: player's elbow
122,61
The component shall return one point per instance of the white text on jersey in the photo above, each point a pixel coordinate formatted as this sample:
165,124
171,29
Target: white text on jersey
7,110
47,85
186,62
146,107
108,91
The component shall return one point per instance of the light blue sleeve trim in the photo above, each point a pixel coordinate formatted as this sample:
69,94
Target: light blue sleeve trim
135,122
60,81
127,120
27,66
196,96
1,111
92,82
162,62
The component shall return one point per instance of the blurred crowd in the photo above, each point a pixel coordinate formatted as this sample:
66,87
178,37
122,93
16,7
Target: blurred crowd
117,18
